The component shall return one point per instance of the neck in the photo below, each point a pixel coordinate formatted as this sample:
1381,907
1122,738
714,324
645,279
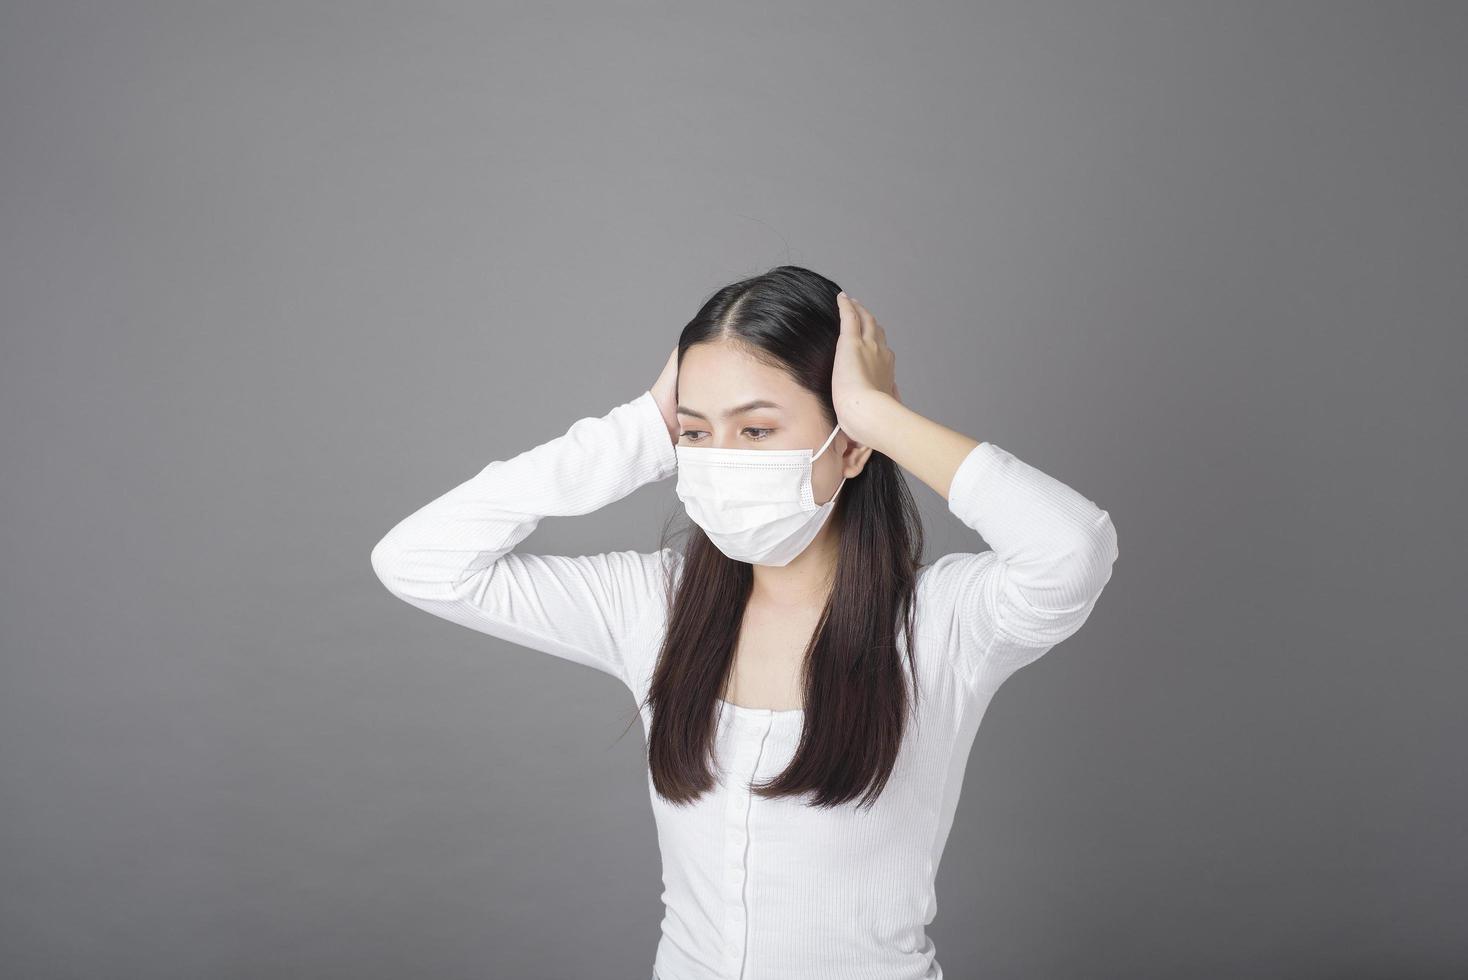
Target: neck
807,578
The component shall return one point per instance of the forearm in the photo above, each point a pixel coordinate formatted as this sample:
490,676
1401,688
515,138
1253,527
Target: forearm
929,450
599,459
1057,544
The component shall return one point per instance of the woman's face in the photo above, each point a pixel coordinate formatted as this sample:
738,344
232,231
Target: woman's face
729,400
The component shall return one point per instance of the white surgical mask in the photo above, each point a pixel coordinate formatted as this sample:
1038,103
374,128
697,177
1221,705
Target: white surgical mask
756,505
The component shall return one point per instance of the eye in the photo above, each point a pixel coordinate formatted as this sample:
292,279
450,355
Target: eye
754,432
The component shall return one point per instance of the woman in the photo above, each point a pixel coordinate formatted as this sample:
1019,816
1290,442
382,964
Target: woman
808,688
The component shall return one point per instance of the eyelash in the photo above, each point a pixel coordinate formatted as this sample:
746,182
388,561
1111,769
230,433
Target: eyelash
747,428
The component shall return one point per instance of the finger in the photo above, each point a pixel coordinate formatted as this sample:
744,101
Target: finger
865,318
878,335
850,320
868,322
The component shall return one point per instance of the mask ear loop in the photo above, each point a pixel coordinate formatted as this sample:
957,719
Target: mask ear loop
817,454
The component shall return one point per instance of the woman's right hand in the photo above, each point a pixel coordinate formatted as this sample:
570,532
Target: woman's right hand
665,390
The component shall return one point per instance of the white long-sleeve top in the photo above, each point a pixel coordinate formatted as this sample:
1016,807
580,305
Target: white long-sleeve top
754,888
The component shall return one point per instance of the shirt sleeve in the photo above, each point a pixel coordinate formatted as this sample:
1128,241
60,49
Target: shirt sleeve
454,556
1051,553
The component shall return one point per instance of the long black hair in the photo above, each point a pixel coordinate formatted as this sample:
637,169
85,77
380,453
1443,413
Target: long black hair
857,699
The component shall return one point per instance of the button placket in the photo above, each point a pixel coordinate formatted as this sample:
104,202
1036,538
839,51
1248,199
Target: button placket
750,733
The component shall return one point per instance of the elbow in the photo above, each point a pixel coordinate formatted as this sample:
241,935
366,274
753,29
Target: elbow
1081,570
1101,540
414,571
1045,615
1095,555
386,564
1045,606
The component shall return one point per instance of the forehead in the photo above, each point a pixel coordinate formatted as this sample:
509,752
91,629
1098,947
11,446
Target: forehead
719,375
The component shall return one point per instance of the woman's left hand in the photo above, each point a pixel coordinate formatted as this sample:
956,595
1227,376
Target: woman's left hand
865,370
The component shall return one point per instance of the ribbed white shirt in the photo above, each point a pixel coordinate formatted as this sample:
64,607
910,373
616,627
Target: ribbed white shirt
758,889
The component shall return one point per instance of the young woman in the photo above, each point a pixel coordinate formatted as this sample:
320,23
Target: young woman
808,688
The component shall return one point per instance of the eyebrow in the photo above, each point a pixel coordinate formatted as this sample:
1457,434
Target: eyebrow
736,410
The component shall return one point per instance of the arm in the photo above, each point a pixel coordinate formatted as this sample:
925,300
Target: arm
1052,549
454,556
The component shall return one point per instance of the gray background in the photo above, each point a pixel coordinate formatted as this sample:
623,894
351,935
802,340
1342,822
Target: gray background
275,274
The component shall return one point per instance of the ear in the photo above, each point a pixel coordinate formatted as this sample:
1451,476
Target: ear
854,457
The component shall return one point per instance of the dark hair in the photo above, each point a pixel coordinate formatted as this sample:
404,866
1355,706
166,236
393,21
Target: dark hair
857,701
